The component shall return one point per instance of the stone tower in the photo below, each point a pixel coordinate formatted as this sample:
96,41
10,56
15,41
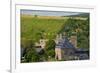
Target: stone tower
73,40
64,47
58,51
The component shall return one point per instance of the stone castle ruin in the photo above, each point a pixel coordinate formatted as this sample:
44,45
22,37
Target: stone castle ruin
64,46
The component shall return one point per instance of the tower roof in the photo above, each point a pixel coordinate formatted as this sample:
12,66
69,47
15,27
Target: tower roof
64,43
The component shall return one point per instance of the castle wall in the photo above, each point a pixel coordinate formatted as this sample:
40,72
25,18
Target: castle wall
73,40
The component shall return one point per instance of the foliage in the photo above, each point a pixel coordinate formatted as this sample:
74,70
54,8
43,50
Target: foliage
31,56
33,29
36,28
50,48
79,28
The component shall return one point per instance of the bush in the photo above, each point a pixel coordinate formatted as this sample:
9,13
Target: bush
31,56
50,48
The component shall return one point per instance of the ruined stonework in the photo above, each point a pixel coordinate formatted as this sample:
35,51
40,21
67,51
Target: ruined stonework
64,47
73,40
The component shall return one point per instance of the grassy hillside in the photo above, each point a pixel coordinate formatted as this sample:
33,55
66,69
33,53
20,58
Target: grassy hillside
37,27
40,27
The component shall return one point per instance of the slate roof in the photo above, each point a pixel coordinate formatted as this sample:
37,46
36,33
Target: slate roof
64,44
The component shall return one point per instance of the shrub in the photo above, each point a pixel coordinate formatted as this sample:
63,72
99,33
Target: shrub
31,56
50,48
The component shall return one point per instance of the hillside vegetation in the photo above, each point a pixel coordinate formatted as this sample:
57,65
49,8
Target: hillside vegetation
37,27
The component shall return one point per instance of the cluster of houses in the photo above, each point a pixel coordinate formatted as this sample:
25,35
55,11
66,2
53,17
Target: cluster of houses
65,49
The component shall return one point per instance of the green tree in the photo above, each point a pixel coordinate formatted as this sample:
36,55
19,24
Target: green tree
50,48
80,28
31,55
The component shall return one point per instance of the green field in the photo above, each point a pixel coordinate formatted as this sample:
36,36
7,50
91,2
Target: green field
36,28
47,27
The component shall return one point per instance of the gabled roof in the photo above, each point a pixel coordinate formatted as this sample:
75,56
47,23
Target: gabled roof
64,43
